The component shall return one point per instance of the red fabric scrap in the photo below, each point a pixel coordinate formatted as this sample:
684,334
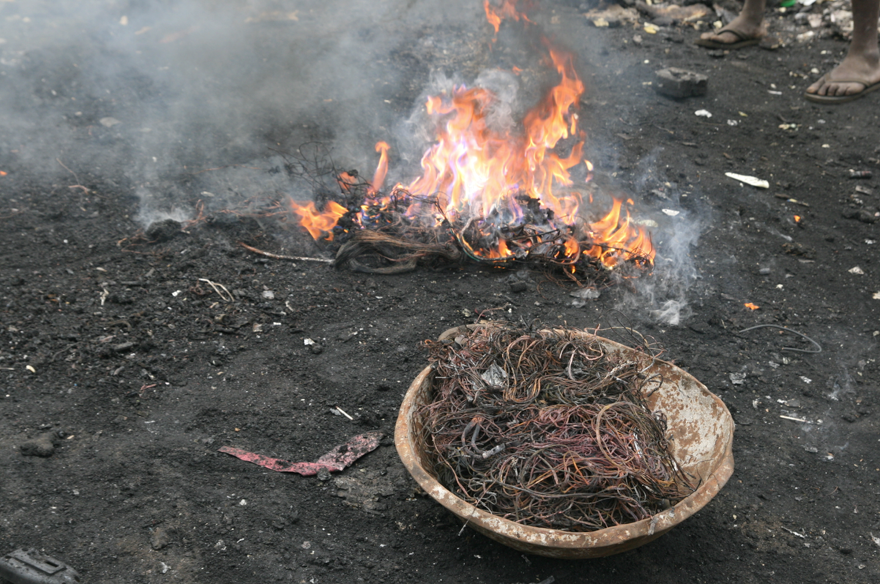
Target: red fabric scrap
337,459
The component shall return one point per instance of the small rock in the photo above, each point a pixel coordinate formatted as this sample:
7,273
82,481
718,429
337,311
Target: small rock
859,214
518,287
42,445
679,83
159,539
797,249
161,231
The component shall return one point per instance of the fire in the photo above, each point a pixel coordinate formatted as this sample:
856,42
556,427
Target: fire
506,9
382,169
493,181
319,225
476,169
751,306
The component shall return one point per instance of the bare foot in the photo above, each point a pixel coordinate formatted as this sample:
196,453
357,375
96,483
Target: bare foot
745,29
853,76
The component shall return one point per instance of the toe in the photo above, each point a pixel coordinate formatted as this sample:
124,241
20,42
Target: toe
840,89
817,87
853,88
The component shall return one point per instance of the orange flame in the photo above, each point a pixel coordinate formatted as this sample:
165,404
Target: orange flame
477,172
615,239
382,168
318,224
504,10
476,168
751,306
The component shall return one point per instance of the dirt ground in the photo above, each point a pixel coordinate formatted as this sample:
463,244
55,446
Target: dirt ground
123,369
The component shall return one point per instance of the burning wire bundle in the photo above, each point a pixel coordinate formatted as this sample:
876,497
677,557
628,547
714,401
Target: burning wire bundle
384,235
494,188
548,429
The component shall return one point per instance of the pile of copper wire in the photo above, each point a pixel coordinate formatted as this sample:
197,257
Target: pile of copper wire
548,429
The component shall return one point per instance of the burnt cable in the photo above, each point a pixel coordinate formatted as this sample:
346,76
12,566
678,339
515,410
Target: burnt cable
818,346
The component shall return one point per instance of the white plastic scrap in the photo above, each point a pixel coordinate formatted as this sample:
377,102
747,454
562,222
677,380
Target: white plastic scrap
494,376
670,212
308,342
749,180
585,293
703,113
857,271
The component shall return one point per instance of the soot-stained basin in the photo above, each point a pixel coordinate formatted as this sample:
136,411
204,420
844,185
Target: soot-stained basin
698,422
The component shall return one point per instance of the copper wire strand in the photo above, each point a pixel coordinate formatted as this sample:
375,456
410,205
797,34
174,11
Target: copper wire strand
788,330
568,443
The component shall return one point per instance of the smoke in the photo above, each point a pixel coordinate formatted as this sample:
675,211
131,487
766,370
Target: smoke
666,290
206,100
663,295
175,98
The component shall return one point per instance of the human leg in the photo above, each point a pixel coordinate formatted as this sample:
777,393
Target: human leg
748,26
859,71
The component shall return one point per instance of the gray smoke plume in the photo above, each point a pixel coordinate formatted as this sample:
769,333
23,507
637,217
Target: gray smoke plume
206,100
176,98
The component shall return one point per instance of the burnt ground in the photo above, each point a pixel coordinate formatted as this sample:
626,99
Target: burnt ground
132,371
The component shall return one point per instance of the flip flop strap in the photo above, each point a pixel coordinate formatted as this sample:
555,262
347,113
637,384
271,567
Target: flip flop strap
740,36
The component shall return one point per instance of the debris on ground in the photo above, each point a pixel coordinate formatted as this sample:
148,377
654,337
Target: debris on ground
801,22
33,567
612,16
42,446
337,459
749,180
668,14
680,83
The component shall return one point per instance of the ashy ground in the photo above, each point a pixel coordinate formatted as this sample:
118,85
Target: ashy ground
124,365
